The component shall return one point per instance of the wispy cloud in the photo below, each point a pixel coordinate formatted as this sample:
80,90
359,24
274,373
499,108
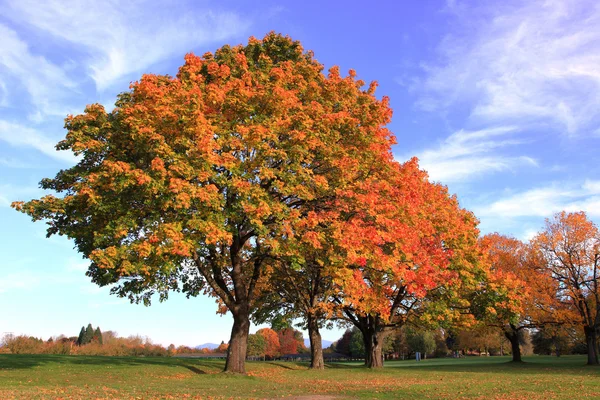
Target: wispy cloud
119,38
10,193
545,201
468,154
535,63
46,83
23,136
14,163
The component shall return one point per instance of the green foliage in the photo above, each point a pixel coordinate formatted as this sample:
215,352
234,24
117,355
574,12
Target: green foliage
256,345
421,340
555,340
81,336
357,344
88,335
97,336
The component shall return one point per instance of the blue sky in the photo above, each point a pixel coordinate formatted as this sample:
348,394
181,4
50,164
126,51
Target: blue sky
499,101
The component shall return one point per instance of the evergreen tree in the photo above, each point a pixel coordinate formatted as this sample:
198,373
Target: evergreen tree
81,336
97,335
88,335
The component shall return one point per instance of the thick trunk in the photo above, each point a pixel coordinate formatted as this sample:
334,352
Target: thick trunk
373,341
238,344
513,337
316,345
592,350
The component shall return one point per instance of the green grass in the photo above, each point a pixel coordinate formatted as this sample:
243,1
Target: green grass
81,377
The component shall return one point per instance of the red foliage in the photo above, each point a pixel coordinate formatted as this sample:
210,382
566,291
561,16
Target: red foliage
290,341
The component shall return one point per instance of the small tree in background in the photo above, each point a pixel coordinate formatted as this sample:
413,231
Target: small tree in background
291,341
257,345
357,345
97,336
272,347
81,336
88,334
421,340
222,347
342,346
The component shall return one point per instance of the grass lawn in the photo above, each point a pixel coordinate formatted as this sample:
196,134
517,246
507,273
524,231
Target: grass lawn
81,377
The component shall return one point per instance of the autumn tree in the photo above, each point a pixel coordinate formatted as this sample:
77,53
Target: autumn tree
222,348
290,341
570,247
272,347
484,338
519,294
342,345
411,251
192,182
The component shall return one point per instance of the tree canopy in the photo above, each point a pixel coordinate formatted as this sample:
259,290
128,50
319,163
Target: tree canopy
193,182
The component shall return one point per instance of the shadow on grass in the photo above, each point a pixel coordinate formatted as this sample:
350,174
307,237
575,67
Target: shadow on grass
281,365
195,370
574,365
23,361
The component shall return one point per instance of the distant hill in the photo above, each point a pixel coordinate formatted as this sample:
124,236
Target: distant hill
211,346
326,343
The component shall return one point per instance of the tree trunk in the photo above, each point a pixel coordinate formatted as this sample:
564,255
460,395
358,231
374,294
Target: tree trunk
590,338
316,345
238,344
513,337
373,341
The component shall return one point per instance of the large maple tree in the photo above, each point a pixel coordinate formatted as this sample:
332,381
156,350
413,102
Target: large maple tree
192,182
411,251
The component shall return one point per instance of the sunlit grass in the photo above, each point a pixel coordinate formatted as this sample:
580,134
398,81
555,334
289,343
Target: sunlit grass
46,376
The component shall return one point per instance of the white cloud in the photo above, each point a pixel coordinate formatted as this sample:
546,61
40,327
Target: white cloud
23,136
120,38
535,63
545,201
3,94
46,83
592,187
469,154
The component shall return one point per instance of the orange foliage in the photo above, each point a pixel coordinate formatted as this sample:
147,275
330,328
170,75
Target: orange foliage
272,348
569,249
